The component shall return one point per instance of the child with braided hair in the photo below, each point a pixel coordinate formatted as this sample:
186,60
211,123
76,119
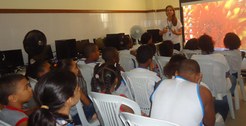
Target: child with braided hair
107,76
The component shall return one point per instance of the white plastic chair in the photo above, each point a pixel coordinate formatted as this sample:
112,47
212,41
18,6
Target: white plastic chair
138,87
87,72
219,121
82,116
188,53
2,123
130,119
214,75
108,108
241,83
161,62
128,62
32,82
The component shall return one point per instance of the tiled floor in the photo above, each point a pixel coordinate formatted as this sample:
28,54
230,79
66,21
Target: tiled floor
240,115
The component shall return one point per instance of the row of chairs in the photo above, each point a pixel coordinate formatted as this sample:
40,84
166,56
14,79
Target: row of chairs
108,111
223,83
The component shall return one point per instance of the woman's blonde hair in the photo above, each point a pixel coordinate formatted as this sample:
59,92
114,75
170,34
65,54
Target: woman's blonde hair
174,18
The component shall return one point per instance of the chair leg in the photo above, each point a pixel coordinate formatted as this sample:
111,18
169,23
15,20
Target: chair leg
219,120
230,103
241,83
236,99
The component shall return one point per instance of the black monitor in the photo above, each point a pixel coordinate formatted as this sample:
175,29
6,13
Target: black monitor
156,37
80,45
66,49
46,54
12,58
114,40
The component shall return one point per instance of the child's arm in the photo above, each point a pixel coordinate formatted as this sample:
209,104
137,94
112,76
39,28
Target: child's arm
84,99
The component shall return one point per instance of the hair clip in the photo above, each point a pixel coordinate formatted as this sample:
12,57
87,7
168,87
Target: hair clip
44,107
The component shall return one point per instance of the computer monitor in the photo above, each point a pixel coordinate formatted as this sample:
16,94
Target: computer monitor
114,40
80,45
12,58
66,49
156,37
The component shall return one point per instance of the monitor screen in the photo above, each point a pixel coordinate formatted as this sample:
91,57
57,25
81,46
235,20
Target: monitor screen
215,18
80,45
66,49
48,54
114,40
156,37
12,58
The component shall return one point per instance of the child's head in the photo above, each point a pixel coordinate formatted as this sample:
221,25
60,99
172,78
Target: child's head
190,70
146,38
56,91
206,44
14,89
91,52
232,41
106,78
192,44
127,42
172,66
144,55
166,48
69,65
38,69
110,55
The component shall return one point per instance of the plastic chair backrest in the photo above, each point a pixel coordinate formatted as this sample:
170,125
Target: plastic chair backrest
130,119
214,75
138,86
2,123
87,72
128,62
189,53
108,108
161,62
82,117
32,82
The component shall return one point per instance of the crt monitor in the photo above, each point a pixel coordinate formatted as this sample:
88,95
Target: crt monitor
156,37
12,58
46,54
114,40
66,49
80,45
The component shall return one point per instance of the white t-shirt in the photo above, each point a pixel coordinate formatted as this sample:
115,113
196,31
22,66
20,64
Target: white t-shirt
127,61
148,74
178,101
217,57
234,60
169,35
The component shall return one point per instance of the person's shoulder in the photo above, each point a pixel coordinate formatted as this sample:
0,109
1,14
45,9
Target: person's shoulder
205,93
12,116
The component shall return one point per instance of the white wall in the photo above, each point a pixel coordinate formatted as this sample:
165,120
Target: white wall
13,27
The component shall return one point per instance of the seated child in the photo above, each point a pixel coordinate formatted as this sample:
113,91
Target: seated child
111,57
71,65
107,79
38,69
91,53
166,48
14,92
56,92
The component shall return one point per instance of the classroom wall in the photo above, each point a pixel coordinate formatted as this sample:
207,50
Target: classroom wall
75,4
14,26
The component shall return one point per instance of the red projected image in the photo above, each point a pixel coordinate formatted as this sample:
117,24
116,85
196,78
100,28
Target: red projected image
216,19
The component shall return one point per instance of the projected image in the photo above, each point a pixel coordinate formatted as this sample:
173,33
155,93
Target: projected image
216,19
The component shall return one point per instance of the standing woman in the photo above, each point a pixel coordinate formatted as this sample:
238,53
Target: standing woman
171,28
